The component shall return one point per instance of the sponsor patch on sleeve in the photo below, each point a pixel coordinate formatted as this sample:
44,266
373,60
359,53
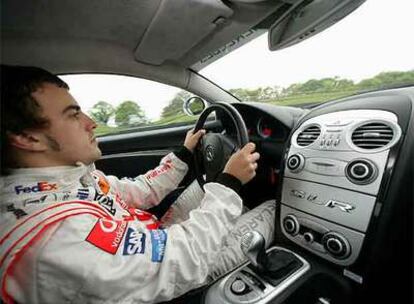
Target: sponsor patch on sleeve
166,166
107,234
134,242
158,242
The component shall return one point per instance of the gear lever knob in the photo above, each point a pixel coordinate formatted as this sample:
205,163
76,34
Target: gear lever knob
253,247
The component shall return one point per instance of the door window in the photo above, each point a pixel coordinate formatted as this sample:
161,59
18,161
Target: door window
121,104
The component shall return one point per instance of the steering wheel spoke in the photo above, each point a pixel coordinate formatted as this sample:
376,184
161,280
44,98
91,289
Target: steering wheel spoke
229,144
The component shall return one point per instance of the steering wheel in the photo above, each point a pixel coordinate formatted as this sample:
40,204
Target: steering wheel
215,149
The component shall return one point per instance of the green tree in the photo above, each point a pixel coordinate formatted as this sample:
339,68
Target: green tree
101,112
248,94
175,106
345,85
270,93
129,113
239,93
387,79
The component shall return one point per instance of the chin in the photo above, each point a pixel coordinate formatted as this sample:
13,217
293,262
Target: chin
97,155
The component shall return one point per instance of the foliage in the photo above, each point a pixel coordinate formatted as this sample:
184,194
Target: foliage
129,113
387,79
310,98
175,107
325,85
104,129
101,112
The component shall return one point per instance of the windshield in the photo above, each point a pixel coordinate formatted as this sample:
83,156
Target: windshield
370,49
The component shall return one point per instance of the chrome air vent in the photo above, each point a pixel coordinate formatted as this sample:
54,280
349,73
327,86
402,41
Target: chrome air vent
372,135
308,135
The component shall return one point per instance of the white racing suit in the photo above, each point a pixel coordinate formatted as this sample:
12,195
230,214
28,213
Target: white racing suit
72,234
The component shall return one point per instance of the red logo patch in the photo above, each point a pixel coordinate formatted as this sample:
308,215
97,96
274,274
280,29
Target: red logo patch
107,234
159,170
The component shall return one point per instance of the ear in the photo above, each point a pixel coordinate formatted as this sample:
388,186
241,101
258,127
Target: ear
28,141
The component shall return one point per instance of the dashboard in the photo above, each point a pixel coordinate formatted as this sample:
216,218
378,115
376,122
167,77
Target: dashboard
334,170
263,127
269,127
268,123
344,194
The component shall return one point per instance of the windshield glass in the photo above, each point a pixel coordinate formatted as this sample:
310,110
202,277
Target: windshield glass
369,49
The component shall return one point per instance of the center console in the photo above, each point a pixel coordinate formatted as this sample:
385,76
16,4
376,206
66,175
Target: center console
332,177
268,274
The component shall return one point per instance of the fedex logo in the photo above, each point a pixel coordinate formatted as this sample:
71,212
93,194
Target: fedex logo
40,187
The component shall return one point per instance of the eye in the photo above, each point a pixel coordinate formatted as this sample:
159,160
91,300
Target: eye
76,114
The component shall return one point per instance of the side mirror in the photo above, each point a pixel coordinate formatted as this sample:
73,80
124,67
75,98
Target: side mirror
194,106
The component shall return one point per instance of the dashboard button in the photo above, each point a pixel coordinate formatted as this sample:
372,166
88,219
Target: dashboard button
291,225
238,286
295,162
361,171
336,244
308,237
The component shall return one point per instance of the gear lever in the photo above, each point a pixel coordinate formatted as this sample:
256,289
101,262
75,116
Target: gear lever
253,247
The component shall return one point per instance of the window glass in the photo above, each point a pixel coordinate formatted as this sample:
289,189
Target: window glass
123,104
367,50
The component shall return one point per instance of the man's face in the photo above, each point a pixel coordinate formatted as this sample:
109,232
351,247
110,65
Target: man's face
69,138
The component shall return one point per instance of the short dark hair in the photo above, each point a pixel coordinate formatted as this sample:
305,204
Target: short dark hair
19,110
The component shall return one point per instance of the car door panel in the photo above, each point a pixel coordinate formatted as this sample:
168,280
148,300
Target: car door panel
131,154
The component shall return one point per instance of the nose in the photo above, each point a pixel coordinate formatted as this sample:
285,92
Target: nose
90,123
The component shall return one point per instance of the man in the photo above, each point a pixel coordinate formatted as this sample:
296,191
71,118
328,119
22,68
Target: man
71,234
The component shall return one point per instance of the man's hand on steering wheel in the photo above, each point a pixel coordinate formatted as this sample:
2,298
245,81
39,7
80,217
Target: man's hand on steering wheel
213,154
192,139
243,163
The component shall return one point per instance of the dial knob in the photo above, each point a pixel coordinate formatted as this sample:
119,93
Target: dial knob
336,244
295,162
291,225
361,171
308,237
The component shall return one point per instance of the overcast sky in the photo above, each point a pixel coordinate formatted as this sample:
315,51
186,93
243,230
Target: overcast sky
376,37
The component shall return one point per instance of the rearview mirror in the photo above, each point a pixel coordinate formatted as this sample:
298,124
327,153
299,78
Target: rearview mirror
306,18
194,106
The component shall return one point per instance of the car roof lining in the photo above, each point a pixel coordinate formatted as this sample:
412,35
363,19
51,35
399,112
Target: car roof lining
122,36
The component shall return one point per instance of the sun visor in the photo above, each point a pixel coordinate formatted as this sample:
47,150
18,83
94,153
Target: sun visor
177,26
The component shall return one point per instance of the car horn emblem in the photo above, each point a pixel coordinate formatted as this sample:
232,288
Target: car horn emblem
209,153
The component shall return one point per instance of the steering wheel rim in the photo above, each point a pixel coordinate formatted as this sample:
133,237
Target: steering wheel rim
214,148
